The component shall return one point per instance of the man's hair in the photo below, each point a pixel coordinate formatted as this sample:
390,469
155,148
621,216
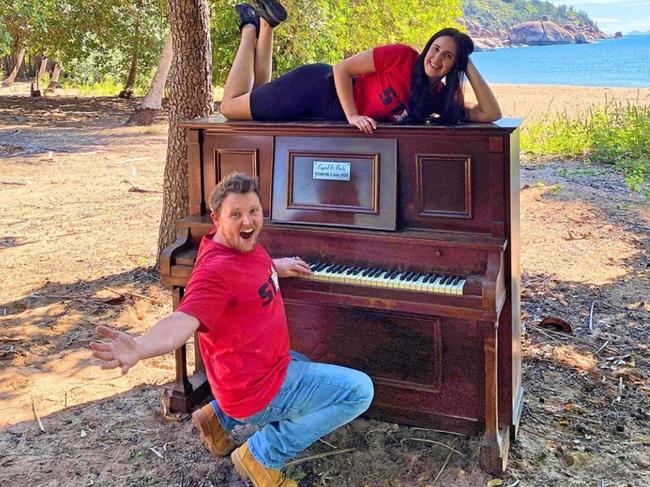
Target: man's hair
235,182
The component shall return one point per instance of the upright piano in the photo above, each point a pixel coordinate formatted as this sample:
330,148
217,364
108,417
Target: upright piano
413,236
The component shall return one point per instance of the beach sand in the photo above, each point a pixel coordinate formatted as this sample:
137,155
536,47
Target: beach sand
535,102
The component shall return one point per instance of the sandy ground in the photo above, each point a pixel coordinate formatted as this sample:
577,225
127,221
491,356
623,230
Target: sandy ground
538,102
79,208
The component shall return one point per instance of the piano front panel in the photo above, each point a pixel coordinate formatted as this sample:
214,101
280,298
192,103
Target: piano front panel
223,155
417,363
335,181
445,184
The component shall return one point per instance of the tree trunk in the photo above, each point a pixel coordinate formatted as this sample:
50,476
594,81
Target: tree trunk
12,77
35,89
191,97
43,68
54,82
146,112
127,92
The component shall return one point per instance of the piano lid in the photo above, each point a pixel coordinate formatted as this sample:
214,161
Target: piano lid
218,122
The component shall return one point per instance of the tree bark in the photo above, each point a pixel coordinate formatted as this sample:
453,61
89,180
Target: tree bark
12,77
191,97
43,68
146,112
54,81
127,92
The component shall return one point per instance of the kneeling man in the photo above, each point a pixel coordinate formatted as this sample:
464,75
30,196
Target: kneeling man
233,300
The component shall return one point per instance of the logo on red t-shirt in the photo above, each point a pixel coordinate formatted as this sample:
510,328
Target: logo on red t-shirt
270,288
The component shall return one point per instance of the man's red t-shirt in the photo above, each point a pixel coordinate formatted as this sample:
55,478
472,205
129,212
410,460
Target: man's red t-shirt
383,95
243,336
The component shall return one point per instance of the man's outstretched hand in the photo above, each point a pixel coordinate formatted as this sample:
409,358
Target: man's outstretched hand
291,267
121,349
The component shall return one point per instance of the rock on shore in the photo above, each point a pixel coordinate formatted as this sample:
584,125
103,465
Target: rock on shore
532,33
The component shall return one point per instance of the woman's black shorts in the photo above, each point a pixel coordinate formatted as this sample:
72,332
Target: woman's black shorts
307,92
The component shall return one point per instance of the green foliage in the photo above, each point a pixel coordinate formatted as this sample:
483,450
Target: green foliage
94,40
616,134
108,86
329,30
73,31
498,14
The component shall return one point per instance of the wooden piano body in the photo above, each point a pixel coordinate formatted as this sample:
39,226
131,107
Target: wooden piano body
428,199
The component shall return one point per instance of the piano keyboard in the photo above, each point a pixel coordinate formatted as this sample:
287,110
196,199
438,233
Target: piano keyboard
386,278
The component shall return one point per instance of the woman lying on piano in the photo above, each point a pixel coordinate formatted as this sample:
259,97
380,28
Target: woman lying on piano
392,83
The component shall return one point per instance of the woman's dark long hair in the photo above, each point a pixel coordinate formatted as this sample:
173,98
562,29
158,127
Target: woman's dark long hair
448,102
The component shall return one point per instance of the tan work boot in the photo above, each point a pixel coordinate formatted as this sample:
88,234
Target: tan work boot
251,469
214,437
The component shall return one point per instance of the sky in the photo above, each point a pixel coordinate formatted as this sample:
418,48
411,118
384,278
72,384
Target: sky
615,15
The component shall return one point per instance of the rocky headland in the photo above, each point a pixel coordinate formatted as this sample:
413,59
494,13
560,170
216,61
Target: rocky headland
532,33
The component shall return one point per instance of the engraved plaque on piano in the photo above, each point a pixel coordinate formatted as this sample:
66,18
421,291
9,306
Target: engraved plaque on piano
335,181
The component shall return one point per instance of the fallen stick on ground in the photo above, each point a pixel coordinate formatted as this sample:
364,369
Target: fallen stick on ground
328,444
122,293
439,431
15,183
444,464
320,455
38,420
424,440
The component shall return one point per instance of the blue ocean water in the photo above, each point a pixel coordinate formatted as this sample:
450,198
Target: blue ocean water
611,62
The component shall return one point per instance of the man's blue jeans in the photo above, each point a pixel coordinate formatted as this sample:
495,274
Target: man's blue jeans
314,400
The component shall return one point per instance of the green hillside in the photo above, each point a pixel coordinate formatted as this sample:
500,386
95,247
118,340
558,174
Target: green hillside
501,14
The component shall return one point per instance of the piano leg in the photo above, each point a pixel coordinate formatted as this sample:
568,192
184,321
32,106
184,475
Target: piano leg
496,442
186,391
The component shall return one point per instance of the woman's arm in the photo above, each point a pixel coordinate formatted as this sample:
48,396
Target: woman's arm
487,109
361,63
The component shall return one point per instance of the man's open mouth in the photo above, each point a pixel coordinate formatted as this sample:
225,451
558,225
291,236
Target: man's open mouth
247,234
